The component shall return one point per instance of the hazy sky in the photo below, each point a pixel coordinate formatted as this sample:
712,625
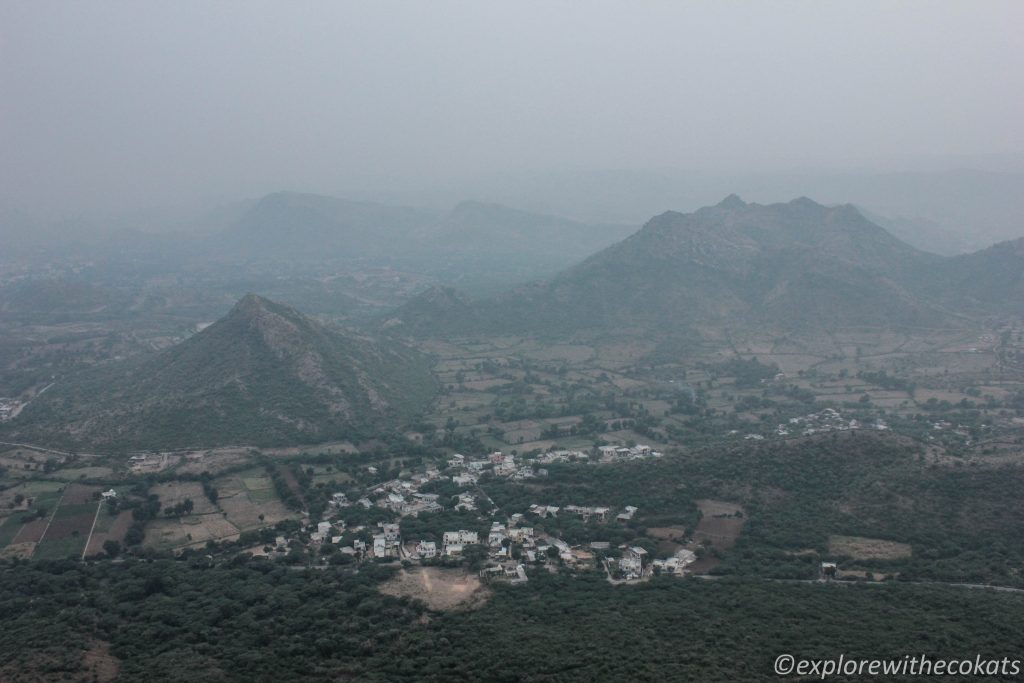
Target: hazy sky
115,105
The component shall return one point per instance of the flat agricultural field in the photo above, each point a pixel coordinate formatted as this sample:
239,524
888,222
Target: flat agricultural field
45,493
191,530
9,528
68,529
439,589
76,473
173,493
108,528
570,353
78,494
867,548
213,461
247,495
31,532
720,526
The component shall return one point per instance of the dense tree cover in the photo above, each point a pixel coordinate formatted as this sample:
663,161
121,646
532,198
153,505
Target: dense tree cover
799,493
748,373
170,621
256,621
883,379
580,629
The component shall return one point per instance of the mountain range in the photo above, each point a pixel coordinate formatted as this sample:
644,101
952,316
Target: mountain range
473,239
796,266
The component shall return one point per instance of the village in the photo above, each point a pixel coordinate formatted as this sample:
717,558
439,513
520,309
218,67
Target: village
827,420
510,545
9,408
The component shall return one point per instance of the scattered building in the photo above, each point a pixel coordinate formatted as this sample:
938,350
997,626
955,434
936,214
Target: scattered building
632,562
626,514
453,542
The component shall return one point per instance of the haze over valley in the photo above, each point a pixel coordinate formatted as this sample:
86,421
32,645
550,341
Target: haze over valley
493,342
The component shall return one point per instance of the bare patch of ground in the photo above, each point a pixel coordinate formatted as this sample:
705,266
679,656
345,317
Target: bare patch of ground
719,527
173,493
667,533
670,539
99,664
21,550
867,548
74,663
187,531
214,461
439,589
861,574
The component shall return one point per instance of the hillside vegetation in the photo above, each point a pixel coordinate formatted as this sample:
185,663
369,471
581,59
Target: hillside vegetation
263,374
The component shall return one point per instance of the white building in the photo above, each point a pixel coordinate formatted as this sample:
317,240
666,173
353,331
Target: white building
497,534
632,562
458,538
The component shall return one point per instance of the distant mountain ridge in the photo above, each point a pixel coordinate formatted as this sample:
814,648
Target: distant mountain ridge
992,278
788,267
262,374
473,245
477,226
302,226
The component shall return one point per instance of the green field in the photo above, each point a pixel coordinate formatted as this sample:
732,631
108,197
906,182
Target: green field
32,489
260,496
71,546
9,527
104,521
257,483
77,473
68,532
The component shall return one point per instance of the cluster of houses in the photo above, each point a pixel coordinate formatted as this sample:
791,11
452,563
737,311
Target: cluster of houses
827,420
606,454
7,408
562,456
499,543
148,462
386,542
509,545
400,496
586,513
505,465
500,464
951,430
635,564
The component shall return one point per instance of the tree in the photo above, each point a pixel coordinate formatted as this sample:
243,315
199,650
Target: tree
135,534
112,548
